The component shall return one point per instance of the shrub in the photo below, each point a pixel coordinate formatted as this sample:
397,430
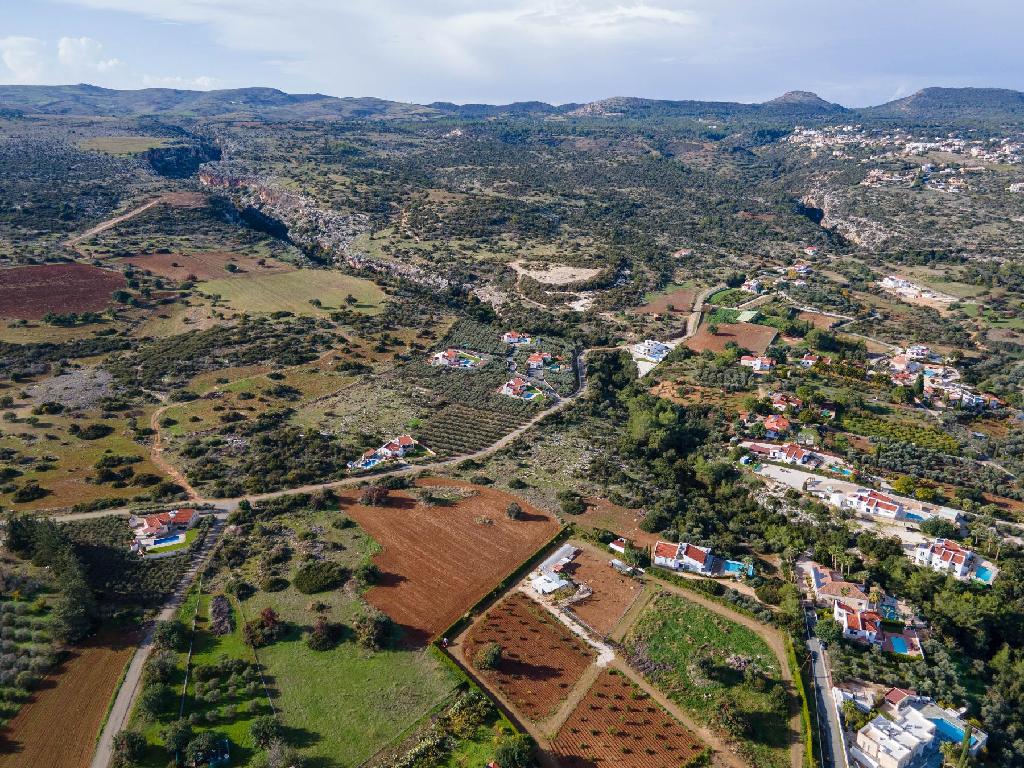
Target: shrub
169,635
374,496
324,635
372,629
488,657
265,731
129,746
514,752
513,511
319,577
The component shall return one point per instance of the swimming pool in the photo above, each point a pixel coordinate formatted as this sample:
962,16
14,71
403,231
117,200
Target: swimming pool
899,645
167,540
915,517
735,566
983,574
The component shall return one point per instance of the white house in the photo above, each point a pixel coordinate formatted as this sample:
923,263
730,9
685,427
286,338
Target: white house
945,556
861,625
759,364
870,502
149,528
898,701
619,545
790,453
895,744
687,557
514,337
537,361
752,286
652,350
399,447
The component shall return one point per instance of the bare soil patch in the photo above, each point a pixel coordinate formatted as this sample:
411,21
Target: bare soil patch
29,293
554,274
205,265
541,660
617,724
613,592
679,301
601,513
57,727
438,561
818,320
755,338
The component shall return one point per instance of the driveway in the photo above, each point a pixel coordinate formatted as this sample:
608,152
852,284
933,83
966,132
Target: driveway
832,749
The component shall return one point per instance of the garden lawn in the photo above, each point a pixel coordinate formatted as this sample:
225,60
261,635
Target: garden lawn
695,656
293,291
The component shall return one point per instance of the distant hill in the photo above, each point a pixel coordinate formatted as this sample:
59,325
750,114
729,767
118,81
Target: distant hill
954,104
928,105
268,103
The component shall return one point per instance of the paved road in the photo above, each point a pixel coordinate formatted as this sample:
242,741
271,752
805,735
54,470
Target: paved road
130,686
833,752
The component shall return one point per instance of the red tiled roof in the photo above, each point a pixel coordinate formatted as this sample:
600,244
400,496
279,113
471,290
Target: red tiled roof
406,440
896,695
695,553
665,549
776,423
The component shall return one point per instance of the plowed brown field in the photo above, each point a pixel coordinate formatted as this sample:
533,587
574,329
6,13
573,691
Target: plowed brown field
541,660
750,336
57,727
205,265
28,293
437,561
613,592
617,724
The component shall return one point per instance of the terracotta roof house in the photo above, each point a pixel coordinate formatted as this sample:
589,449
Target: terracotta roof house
514,337
828,586
759,364
862,625
944,555
683,556
776,425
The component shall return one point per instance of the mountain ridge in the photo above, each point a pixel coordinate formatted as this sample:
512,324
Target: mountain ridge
933,103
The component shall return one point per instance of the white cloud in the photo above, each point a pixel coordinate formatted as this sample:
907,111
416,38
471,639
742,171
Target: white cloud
83,54
23,58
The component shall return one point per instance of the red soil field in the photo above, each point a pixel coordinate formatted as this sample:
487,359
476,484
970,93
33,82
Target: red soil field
28,293
541,660
438,561
57,727
681,301
616,724
818,320
601,513
750,336
204,265
613,592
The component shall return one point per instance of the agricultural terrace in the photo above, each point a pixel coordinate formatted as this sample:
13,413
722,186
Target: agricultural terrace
613,593
818,320
32,292
363,699
224,693
443,549
124,145
541,660
43,733
900,431
617,724
460,429
207,265
755,338
302,292
723,673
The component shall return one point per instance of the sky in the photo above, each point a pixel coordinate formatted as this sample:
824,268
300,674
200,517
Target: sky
855,52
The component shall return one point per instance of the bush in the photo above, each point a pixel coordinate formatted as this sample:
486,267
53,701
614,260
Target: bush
319,577
374,496
372,629
513,511
129,746
324,635
170,635
572,503
265,731
263,630
514,752
488,657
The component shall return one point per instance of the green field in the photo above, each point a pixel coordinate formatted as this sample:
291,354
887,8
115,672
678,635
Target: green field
345,704
125,145
721,672
293,292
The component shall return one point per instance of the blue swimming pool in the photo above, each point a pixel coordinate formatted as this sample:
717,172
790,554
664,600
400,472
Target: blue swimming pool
735,566
983,574
178,537
899,645
915,517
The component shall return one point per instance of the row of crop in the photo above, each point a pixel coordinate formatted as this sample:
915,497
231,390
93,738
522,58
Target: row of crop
905,432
